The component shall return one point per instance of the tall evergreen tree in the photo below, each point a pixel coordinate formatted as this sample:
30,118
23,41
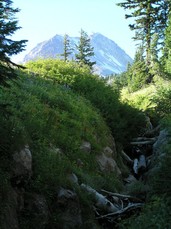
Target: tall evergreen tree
85,51
167,49
150,18
67,47
8,47
155,67
137,74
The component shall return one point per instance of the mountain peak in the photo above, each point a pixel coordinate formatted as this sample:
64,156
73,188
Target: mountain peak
109,57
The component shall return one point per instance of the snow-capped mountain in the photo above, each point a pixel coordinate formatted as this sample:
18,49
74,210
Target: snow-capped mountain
109,57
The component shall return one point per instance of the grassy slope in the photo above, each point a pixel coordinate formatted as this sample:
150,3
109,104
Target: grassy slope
124,121
141,99
48,117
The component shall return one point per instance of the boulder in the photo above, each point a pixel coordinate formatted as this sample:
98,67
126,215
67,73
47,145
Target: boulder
130,179
113,146
22,166
85,147
108,151
158,146
108,164
73,178
159,150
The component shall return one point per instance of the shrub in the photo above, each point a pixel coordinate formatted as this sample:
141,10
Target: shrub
118,116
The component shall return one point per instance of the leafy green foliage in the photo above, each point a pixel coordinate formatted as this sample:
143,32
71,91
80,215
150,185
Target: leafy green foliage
141,99
162,100
51,119
156,212
154,215
93,88
54,122
59,71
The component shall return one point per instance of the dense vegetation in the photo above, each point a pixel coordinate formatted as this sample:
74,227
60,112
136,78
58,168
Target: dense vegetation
54,122
57,112
155,100
54,106
104,97
146,86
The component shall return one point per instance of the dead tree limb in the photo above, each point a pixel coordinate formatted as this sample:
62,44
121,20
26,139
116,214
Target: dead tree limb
101,201
153,132
135,166
122,196
149,142
128,208
144,139
127,158
142,163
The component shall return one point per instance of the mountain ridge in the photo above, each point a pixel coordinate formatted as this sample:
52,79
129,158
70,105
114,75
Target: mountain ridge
109,57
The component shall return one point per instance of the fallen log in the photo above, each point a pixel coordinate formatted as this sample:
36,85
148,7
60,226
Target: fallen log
135,166
127,158
101,201
142,163
150,142
122,196
153,132
144,139
128,208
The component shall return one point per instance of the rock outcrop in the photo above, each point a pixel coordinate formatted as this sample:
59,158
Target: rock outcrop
22,166
106,161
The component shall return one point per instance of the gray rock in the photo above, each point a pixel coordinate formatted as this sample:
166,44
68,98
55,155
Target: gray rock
154,162
130,179
158,146
22,165
73,178
108,164
86,147
108,151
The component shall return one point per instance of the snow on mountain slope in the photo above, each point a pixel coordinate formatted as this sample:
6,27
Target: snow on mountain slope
109,57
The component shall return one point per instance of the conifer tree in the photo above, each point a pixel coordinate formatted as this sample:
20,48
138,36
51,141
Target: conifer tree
67,48
85,51
167,49
155,68
150,17
137,74
8,47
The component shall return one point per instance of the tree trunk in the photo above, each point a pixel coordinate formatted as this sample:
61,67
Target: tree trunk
135,166
142,163
101,201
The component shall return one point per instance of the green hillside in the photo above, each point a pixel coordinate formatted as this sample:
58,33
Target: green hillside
54,122
81,151
55,116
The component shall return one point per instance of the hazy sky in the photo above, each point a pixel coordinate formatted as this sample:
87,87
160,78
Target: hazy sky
42,19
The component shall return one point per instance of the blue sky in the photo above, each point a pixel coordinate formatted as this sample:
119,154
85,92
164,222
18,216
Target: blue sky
42,19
